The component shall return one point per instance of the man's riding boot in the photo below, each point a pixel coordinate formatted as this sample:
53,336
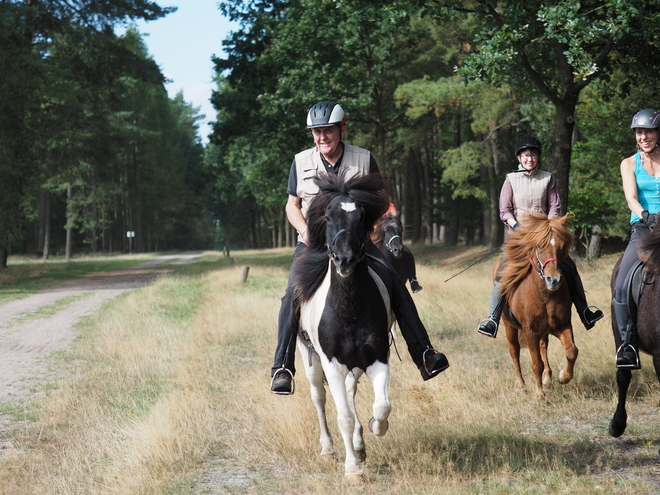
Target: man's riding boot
414,285
626,355
579,298
490,324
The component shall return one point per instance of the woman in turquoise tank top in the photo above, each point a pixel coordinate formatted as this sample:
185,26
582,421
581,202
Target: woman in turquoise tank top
640,175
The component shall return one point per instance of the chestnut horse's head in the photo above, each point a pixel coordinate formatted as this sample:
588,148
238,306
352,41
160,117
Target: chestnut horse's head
539,245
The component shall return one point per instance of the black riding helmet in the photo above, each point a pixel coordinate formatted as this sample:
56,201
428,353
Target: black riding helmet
528,142
646,119
325,113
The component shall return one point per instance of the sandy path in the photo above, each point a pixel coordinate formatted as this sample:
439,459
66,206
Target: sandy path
25,341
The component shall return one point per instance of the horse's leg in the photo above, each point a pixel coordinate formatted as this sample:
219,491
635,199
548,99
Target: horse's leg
345,418
352,380
620,418
379,373
533,342
514,351
571,351
314,373
547,371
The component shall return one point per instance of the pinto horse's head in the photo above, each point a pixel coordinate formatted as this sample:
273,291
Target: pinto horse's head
346,234
341,216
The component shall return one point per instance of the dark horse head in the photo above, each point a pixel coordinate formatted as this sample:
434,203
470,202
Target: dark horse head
389,231
339,220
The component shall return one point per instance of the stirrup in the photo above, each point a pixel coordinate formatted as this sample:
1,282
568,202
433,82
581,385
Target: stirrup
482,324
293,383
590,323
620,351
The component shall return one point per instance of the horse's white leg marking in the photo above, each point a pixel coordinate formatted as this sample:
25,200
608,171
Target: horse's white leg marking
314,374
310,315
352,380
335,374
379,374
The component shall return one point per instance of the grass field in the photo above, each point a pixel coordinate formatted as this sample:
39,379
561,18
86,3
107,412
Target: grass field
166,392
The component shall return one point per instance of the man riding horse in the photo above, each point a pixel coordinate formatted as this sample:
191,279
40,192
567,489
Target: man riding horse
331,155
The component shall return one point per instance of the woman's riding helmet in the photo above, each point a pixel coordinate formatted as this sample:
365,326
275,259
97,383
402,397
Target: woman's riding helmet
528,142
325,113
646,119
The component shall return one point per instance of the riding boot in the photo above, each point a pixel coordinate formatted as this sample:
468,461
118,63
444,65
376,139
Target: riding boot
626,355
284,362
490,324
578,297
414,285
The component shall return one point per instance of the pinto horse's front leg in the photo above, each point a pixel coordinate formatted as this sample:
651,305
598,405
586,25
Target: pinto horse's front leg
352,380
335,374
379,374
314,373
547,370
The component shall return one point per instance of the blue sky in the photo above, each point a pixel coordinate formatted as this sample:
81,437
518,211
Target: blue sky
182,44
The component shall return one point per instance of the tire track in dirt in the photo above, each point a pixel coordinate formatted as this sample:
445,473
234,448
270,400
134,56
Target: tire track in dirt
26,342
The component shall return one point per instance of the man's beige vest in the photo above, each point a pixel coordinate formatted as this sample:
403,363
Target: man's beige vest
356,162
530,192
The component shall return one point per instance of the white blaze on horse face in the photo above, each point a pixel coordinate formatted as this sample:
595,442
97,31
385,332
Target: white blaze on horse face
348,207
552,241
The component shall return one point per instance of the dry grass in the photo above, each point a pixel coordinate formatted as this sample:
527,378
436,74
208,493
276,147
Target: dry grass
168,393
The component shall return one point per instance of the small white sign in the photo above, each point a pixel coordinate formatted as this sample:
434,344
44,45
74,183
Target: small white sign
130,233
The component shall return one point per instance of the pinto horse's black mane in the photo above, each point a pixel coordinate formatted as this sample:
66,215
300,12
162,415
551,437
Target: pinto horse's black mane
367,192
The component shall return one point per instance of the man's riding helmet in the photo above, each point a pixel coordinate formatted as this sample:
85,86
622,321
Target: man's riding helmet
646,119
325,113
528,142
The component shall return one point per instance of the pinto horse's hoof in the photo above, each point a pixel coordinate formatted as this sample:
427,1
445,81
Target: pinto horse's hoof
355,479
361,455
378,428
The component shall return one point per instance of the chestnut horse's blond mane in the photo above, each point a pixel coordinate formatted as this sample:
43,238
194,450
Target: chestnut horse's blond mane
536,231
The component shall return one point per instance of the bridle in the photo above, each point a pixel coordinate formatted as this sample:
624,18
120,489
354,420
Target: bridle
540,266
388,244
331,248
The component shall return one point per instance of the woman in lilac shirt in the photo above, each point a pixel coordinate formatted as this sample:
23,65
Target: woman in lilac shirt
640,174
530,189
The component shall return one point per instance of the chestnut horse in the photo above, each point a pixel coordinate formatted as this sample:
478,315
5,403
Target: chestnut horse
345,314
537,300
648,323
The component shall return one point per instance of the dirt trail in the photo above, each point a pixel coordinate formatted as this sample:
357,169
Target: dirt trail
27,338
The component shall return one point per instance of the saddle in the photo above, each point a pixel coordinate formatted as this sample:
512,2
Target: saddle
634,284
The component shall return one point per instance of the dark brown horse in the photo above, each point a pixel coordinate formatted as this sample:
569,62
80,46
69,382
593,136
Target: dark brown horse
388,238
648,324
538,303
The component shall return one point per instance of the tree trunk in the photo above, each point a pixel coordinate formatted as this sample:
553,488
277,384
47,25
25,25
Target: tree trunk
69,223
593,249
559,153
4,254
45,253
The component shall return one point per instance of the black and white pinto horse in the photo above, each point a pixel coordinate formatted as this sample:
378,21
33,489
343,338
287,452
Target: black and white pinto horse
388,238
345,313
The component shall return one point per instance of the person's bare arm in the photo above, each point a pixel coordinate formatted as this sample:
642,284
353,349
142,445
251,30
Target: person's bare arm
295,216
630,186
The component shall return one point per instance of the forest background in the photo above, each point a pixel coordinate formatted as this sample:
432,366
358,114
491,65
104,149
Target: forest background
91,146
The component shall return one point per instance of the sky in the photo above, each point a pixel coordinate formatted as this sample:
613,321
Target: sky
182,44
